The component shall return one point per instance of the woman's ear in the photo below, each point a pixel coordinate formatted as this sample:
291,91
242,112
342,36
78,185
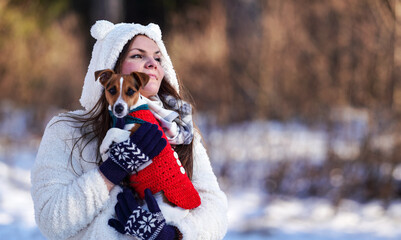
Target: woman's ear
141,79
104,76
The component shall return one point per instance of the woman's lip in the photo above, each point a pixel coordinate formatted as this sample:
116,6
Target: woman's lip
152,75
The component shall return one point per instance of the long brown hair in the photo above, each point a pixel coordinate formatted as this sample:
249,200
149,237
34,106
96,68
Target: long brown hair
94,124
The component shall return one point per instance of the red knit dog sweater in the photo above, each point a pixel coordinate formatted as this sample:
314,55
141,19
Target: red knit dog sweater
165,173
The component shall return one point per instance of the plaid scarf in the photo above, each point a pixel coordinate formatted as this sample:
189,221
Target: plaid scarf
178,130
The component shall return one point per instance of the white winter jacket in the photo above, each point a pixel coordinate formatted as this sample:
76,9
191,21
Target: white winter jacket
71,199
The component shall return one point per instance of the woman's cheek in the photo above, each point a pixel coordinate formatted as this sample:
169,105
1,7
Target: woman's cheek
129,67
150,89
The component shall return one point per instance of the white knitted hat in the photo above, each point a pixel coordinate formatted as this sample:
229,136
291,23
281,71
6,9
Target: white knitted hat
111,38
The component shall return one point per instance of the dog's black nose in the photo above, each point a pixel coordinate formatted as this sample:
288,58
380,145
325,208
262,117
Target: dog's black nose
118,108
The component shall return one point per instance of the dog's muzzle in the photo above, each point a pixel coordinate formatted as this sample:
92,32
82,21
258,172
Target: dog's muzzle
120,110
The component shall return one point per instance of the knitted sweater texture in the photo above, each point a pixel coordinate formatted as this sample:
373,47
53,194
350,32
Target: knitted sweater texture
165,173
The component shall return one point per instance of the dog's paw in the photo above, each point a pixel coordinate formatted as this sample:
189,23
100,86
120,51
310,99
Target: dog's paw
113,135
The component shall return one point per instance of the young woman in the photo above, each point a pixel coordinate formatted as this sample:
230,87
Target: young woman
78,196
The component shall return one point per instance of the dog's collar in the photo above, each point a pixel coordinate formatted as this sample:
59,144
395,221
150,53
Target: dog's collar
128,119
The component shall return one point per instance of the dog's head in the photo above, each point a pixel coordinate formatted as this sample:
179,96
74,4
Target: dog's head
122,91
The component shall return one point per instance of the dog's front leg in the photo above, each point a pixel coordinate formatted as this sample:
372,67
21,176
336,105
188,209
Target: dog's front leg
113,135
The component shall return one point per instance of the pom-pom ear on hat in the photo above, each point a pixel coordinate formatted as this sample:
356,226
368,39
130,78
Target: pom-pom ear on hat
101,28
156,29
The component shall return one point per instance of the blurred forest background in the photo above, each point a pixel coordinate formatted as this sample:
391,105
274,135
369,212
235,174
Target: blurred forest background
332,65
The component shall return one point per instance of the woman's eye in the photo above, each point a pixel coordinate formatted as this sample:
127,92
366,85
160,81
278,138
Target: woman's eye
158,60
130,92
112,90
136,56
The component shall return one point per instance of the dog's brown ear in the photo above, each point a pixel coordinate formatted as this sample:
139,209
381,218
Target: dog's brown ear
141,78
104,76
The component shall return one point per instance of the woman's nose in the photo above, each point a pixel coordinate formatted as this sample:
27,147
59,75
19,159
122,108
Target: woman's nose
151,63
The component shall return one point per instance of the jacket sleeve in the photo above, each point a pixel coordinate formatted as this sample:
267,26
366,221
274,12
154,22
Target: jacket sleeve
65,199
209,220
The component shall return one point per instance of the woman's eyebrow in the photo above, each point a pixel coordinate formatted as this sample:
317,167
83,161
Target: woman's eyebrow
143,51
138,49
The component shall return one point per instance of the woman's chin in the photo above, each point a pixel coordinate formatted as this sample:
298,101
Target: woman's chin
151,89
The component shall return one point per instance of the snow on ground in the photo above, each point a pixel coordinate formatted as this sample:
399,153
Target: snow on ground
16,206
256,216
253,215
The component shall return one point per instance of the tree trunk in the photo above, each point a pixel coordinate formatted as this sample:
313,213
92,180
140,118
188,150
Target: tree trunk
244,41
110,10
397,57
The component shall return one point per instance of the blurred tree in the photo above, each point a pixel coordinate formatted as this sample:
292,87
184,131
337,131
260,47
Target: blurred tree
397,56
244,41
110,10
42,60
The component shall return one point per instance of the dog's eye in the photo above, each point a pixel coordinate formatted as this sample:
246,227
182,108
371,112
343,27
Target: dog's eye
130,92
112,90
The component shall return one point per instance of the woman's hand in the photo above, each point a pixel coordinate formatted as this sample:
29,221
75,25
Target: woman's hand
136,221
126,157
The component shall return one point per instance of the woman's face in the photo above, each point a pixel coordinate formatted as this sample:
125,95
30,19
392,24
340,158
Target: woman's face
144,56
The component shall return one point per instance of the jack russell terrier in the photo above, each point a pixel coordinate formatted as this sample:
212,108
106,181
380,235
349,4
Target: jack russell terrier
163,175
